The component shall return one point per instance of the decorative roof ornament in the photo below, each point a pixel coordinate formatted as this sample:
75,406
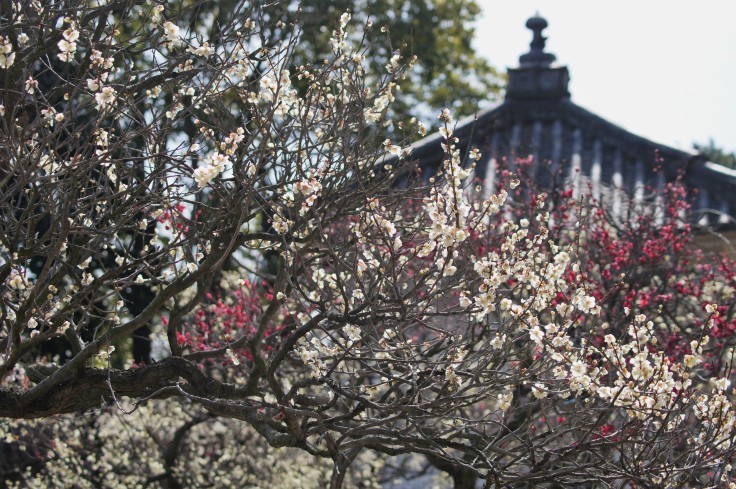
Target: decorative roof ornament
537,77
536,57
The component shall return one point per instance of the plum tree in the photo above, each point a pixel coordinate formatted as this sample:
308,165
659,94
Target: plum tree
523,339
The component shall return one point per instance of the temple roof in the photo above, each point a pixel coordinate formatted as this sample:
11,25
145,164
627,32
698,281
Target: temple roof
537,118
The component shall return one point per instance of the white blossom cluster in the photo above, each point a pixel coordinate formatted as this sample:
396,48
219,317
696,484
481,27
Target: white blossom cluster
68,45
213,166
7,56
94,452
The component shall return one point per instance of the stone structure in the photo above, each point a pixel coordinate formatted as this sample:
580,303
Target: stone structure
538,119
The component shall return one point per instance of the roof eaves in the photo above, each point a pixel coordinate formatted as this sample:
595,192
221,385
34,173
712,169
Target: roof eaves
463,129
621,133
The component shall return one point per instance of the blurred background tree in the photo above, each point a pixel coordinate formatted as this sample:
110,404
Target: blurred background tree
716,154
448,72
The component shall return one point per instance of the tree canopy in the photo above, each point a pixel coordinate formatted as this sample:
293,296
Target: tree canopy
447,72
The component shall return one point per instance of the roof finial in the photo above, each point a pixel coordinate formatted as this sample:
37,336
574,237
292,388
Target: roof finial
536,55
536,78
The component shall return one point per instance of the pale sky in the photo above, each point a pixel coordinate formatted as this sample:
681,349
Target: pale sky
665,70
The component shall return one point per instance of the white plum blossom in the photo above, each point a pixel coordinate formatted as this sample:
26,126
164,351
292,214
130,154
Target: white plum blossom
171,33
392,148
87,278
536,335
16,280
71,34
578,369
445,116
353,332
538,390
380,104
68,45
105,98
31,85
7,56
310,189
585,303
504,400
213,166
204,50
278,92
156,13
721,383
280,224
